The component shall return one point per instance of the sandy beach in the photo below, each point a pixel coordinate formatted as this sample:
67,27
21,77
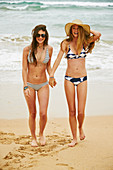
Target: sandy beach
17,19
94,153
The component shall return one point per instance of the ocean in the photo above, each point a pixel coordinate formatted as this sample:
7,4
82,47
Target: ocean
19,17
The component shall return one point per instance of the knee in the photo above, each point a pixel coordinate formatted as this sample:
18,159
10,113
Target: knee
43,115
80,113
72,113
32,115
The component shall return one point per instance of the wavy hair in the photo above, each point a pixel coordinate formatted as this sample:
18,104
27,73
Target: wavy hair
35,44
84,39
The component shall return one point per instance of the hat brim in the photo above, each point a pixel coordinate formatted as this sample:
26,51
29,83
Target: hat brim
84,26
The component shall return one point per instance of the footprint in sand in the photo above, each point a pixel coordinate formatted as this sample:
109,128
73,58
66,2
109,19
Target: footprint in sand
66,165
55,143
11,156
3,133
62,164
6,138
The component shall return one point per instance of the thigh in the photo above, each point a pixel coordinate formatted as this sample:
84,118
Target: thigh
81,95
43,98
31,101
70,94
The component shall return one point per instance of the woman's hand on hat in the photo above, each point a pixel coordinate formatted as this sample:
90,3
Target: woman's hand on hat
96,35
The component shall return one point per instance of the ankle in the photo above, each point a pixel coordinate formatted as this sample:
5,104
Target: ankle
34,138
75,138
41,134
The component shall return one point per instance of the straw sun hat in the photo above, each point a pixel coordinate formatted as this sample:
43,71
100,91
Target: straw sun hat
77,22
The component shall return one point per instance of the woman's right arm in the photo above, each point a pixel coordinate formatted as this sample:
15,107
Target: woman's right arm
24,66
24,71
56,63
58,59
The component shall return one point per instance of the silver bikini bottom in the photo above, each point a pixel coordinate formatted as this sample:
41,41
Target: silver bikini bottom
37,86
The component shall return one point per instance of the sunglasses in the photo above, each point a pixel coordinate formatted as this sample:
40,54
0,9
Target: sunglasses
41,35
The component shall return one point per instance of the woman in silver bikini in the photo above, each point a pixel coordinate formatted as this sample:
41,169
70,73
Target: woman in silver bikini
36,60
80,42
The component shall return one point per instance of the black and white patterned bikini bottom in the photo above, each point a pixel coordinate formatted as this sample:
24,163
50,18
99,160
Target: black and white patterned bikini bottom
76,81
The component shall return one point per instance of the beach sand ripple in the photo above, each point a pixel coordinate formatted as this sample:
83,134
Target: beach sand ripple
23,155
94,153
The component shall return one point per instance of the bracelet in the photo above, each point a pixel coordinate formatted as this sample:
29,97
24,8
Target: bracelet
51,77
26,87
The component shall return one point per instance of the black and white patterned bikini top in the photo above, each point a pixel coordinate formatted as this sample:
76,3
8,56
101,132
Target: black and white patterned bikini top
71,55
30,60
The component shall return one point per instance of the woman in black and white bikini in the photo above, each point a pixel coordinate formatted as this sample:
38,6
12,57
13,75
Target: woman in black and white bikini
80,42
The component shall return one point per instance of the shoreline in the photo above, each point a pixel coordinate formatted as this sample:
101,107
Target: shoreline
13,104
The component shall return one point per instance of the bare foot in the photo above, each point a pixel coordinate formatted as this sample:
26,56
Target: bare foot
73,143
81,134
34,143
42,140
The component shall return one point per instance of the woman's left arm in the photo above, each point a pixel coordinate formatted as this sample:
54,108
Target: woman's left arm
96,35
50,50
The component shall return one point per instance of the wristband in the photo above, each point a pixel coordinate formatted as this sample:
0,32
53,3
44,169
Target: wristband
51,77
26,87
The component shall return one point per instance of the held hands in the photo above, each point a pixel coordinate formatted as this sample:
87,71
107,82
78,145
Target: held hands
52,82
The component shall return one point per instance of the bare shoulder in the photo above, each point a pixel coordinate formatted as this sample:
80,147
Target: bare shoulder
26,49
26,52
50,48
64,45
65,42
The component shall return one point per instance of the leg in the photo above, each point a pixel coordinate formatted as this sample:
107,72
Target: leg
70,95
43,98
81,96
31,102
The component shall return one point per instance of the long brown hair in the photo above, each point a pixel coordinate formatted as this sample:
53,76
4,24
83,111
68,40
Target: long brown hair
35,44
84,40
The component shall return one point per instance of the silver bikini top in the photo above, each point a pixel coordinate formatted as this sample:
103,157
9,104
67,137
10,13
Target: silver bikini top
30,60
